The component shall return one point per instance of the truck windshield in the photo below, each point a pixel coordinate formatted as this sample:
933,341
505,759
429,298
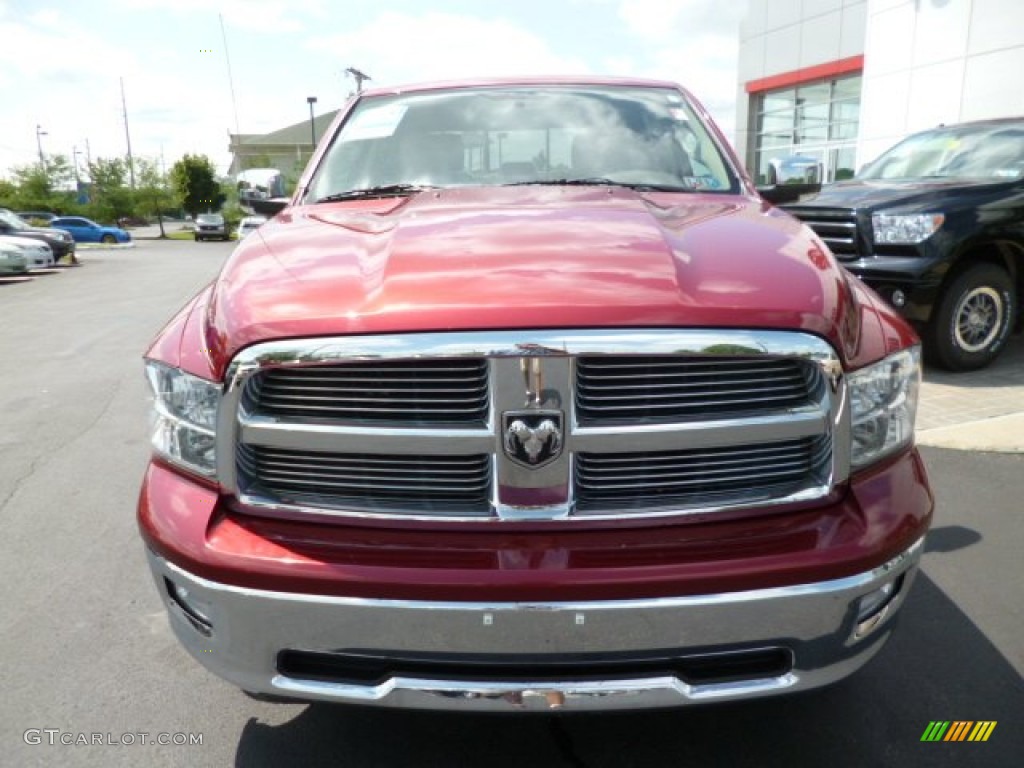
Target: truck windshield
519,135
986,152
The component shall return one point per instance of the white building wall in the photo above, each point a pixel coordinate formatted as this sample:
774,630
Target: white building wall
938,61
780,36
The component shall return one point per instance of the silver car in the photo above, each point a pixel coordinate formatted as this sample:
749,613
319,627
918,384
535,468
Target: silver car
38,254
12,259
250,224
211,226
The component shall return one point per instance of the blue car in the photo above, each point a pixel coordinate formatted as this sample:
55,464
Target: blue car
87,231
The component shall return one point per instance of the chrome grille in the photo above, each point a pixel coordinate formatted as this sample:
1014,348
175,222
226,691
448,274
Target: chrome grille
717,476
645,389
643,422
836,227
449,484
401,391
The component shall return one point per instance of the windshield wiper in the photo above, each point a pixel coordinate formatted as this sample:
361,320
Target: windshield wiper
384,190
600,181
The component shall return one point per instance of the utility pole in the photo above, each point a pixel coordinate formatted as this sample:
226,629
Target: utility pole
127,137
39,145
311,100
88,155
359,77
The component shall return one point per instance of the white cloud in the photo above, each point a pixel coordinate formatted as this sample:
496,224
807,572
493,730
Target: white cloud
397,48
679,20
693,42
269,16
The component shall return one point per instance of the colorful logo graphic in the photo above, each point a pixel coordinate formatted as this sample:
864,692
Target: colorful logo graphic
958,730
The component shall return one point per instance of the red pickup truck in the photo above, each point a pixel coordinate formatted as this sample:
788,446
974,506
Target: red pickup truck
527,399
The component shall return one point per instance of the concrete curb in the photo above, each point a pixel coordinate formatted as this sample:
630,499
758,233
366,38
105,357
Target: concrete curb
104,246
999,434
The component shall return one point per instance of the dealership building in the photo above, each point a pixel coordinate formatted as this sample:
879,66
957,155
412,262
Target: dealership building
843,80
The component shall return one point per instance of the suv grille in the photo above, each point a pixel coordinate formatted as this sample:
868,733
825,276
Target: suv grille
836,227
530,425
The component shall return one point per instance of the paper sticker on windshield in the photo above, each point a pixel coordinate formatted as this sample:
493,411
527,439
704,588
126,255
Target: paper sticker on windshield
374,123
700,182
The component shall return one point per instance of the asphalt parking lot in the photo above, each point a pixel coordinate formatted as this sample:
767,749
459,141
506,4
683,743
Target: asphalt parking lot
86,649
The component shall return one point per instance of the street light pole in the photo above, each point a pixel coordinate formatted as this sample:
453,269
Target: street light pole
359,77
311,100
39,144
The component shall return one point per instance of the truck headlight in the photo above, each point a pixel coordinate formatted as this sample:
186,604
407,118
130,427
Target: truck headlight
883,401
905,229
184,417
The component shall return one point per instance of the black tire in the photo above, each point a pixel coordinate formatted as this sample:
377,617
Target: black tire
108,239
196,237
973,319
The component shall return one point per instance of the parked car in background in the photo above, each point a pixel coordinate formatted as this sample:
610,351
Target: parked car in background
38,255
250,224
88,231
61,242
936,226
38,218
12,259
211,226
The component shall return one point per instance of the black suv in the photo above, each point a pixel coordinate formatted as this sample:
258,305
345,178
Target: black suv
936,226
59,241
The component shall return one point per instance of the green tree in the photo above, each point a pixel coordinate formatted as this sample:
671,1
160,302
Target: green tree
110,196
194,179
153,193
48,185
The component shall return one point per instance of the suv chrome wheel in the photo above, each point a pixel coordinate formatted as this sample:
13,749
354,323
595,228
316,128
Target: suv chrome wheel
978,318
973,319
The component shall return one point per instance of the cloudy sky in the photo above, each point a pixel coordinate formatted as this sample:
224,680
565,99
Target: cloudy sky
61,62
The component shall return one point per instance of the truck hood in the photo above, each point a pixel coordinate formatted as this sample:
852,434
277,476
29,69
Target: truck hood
869,195
480,258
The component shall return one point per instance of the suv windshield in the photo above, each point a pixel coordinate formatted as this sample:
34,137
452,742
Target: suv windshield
994,152
209,218
643,137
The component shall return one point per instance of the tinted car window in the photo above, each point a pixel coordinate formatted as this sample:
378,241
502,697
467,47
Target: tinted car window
969,152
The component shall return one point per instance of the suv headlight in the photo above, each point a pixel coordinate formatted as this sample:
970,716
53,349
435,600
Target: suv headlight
883,402
184,417
905,229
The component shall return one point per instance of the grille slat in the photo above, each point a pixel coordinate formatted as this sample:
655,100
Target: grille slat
639,389
369,481
409,392
724,475
836,228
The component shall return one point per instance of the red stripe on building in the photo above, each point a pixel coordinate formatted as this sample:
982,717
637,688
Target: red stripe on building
807,74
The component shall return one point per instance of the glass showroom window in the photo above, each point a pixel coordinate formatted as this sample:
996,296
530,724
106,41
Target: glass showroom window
816,120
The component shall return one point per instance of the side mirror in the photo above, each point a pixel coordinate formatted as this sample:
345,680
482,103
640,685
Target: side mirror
790,178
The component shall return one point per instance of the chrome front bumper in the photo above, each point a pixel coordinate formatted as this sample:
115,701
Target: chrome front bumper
241,633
